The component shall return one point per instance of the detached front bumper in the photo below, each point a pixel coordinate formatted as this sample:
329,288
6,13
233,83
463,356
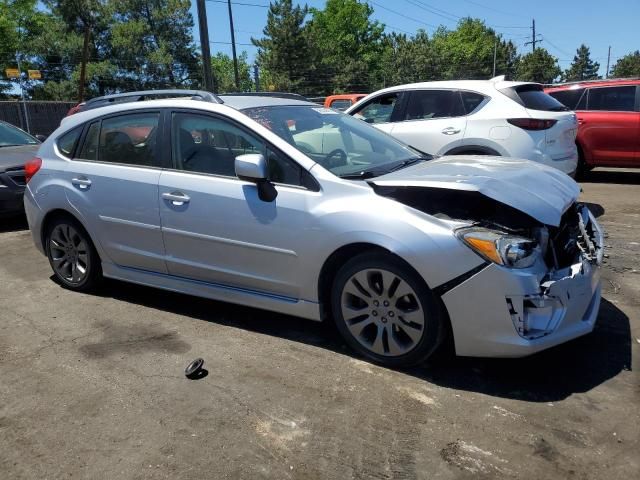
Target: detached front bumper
502,312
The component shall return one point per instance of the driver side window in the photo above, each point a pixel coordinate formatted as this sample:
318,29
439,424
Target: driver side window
379,110
206,144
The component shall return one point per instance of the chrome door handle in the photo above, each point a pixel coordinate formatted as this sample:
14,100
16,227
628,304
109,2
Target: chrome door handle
176,198
83,183
450,131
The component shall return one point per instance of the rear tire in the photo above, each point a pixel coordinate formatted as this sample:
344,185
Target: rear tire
385,311
72,255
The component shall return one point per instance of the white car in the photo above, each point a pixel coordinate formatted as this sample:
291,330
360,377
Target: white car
481,117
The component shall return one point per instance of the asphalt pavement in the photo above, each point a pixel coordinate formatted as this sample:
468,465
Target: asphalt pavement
92,385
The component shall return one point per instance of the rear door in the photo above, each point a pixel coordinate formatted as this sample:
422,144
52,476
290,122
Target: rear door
113,183
610,126
433,121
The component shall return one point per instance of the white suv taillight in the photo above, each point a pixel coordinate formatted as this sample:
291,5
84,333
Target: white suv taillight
532,123
31,168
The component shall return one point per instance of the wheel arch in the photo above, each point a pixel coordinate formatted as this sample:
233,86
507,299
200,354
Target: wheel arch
473,149
58,213
338,258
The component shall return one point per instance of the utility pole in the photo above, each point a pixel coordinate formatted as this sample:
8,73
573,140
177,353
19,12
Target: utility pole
24,103
233,47
209,80
256,76
533,39
495,52
608,60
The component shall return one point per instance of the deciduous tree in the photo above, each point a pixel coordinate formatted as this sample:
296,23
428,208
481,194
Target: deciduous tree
538,66
627,66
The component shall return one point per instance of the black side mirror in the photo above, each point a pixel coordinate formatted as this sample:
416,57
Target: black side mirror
266,191
253,168
41,137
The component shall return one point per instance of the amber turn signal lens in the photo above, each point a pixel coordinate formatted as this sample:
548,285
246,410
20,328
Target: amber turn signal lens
486,248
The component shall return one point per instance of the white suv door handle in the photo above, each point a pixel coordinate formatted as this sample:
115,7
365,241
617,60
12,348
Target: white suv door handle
451,131
83,183
176,198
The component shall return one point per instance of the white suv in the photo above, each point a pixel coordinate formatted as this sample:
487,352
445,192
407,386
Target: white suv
485,117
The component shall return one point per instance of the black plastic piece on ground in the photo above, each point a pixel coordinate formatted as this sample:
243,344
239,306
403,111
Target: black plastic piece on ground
193,369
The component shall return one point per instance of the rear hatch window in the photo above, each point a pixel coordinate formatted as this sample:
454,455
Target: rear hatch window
533,97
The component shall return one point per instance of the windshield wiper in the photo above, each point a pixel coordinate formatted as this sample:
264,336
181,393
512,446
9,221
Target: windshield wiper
363,175
406,163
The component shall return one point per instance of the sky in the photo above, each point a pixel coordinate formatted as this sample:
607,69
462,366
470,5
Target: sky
562,24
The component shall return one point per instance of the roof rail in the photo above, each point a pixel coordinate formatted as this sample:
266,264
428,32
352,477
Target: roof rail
578,82
290,96
140,96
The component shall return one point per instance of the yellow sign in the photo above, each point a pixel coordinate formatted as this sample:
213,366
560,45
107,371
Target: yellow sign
34,74
12,73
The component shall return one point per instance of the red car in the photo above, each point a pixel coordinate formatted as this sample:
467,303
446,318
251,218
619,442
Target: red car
608,121
343,101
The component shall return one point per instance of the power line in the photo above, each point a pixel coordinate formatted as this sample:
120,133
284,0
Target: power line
240,3
494,9
402,15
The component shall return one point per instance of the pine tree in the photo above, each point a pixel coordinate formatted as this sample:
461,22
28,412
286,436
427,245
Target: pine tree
283,52
582,68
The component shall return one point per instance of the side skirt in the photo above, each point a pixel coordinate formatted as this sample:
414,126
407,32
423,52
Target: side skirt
214,291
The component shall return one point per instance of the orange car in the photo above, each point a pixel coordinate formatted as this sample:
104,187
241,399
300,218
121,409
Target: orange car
344,101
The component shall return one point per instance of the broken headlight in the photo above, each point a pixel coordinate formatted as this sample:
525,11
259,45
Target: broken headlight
501,248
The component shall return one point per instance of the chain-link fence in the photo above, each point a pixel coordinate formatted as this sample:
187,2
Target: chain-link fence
37,118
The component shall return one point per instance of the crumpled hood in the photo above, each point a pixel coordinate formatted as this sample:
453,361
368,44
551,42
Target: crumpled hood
541,192
17,156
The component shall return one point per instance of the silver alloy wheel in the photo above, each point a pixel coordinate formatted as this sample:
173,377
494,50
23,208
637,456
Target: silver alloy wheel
382,312
69,254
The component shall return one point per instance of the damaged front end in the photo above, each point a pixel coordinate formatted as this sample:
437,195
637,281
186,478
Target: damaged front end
541,280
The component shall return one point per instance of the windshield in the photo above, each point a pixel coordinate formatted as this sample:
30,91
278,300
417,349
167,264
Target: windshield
342,144
10,136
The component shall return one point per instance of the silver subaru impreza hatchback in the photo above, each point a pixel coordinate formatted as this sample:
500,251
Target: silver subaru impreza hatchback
280,204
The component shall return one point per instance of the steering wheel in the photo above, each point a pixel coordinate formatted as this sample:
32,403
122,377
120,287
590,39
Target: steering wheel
332,162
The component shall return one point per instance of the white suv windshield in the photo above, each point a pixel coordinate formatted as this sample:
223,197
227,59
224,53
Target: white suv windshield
342,144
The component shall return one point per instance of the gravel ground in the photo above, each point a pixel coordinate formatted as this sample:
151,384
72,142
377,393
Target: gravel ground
91,386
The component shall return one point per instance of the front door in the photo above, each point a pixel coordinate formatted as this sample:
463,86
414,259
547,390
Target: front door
610,126
381,111
114,185
215,228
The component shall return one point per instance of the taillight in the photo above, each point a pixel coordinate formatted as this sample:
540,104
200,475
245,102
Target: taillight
31,168
532,123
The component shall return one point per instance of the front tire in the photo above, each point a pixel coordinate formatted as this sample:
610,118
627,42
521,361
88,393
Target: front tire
72,256
384,310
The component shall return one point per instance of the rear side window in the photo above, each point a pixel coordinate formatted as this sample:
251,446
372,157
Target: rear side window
534,98
67,142
427,104
569,98
128,139
341,104
378,110
471,101
613,99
